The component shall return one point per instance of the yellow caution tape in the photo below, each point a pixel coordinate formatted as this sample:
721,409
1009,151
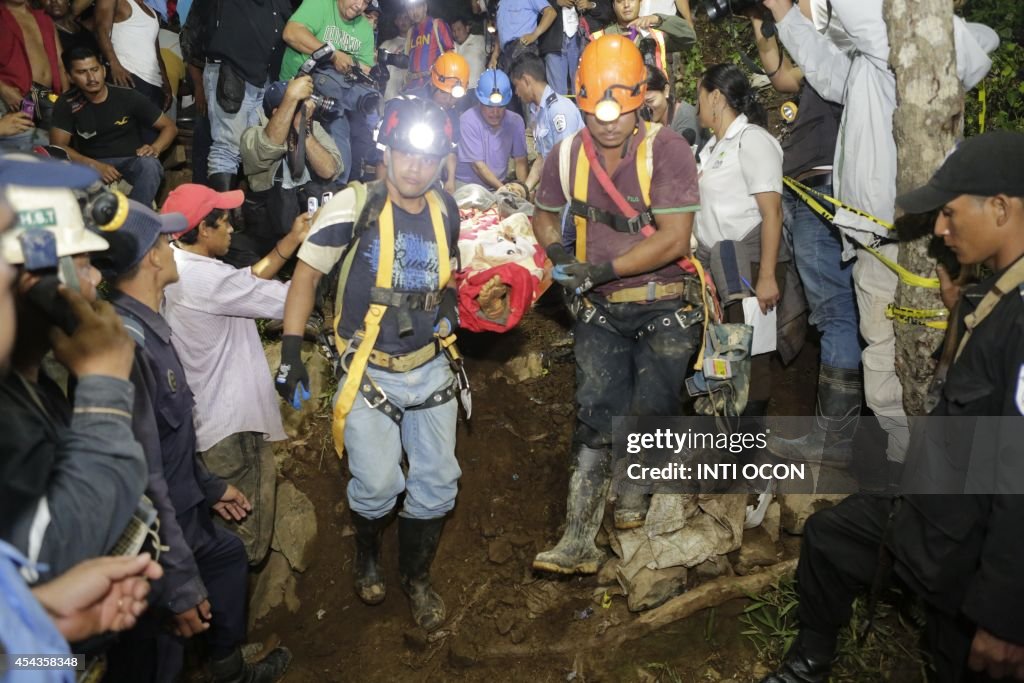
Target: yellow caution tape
983,112
934,318
811,196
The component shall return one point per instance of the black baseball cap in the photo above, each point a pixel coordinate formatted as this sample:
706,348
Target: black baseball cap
984,166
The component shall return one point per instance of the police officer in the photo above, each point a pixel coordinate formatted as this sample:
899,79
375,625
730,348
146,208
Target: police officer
553,116
140,266
395,305
961,553
627,287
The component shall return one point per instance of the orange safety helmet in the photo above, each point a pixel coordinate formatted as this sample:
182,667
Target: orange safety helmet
450,73
611,79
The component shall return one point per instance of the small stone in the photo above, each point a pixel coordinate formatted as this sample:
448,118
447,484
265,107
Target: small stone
517,635
499,551
295,527
505,622
489,529
772,523
711,674
520,540
758,549
341,509
415,639
275,585
461,653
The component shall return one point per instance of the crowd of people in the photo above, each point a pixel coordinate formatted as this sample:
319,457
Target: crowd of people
332,141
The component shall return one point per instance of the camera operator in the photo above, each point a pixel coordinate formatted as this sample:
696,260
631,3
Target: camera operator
865,169
339,72
61,457
276,195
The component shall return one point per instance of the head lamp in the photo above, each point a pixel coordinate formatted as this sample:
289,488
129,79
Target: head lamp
495,96
421,136
458,91
607,108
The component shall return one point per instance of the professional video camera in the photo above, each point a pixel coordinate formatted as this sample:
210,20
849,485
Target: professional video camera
380,73
719,10
360,90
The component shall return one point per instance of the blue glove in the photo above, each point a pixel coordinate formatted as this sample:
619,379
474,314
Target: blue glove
582,277
292,381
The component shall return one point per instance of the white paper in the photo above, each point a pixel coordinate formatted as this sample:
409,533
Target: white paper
764,326
570,21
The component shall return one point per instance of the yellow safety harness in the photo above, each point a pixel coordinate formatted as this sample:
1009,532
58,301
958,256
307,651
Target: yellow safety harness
361,345
930,317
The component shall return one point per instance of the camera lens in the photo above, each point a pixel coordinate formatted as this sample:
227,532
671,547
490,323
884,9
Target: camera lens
717,9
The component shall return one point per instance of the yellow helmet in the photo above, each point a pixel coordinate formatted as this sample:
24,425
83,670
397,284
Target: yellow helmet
611,79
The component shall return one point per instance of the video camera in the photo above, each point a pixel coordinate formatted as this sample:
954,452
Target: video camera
361,94
718,10
380,73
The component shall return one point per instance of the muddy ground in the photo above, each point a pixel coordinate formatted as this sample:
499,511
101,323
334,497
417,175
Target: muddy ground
503,619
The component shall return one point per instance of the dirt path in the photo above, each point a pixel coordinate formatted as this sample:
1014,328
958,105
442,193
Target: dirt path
514,457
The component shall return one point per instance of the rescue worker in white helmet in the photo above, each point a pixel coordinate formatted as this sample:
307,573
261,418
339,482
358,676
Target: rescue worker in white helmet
396,305
635,300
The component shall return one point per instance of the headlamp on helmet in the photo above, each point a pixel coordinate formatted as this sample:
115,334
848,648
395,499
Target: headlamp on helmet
421,136
608,108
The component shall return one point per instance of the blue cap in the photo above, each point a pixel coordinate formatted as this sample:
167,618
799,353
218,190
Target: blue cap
494,83
32,171
273,96
138,234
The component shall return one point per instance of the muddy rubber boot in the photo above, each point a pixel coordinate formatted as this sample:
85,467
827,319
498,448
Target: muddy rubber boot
369,583
809,660
234,669
576,553
417,543
631,506
830,440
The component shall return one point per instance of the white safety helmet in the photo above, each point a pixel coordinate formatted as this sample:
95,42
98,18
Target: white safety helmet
53,209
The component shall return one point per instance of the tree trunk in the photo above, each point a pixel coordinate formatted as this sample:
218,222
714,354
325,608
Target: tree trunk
928,119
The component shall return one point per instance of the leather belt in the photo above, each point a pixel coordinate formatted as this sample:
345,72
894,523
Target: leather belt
652,291
815,178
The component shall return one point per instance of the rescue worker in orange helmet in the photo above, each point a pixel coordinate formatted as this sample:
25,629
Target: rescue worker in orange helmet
638,312
449,81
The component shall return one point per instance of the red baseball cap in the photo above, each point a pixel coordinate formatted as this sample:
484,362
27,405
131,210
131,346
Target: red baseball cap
196,202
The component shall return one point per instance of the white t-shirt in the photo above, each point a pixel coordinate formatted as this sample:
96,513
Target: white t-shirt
476,57
747,161
657,7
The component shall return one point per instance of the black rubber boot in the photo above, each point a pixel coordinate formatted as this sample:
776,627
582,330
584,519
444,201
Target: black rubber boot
417,543
830,440
576,553
809,660
369,583
233,669
222,182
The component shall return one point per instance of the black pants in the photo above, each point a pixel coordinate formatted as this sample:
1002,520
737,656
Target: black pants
838,560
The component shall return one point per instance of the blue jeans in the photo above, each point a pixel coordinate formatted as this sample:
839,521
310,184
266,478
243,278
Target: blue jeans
24,142
227,129
144,173
619,376
828,282
561,66
374,444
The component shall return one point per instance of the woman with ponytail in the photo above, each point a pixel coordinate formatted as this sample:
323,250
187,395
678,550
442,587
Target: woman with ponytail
741,201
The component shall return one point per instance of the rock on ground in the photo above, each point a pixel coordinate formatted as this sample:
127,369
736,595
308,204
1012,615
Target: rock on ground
295,528
797,507
275,585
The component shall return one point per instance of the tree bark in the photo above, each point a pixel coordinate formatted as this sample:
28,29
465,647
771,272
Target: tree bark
927,121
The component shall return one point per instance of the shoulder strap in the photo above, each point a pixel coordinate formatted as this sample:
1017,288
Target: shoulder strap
645,162
1012,279
565,164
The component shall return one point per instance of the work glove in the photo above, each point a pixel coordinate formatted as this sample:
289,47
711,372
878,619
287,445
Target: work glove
558,255
292,381
447,312
582,277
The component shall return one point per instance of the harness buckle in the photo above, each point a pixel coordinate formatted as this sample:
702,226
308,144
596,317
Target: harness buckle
431,300
687,316
379,399
636,223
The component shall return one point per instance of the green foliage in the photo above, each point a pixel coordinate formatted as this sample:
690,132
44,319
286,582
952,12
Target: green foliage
1000,97
888,653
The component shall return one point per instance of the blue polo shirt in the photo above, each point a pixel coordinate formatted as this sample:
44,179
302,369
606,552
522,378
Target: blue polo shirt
555,119
516,18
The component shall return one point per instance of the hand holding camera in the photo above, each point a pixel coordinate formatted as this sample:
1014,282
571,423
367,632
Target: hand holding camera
342,61
299,89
